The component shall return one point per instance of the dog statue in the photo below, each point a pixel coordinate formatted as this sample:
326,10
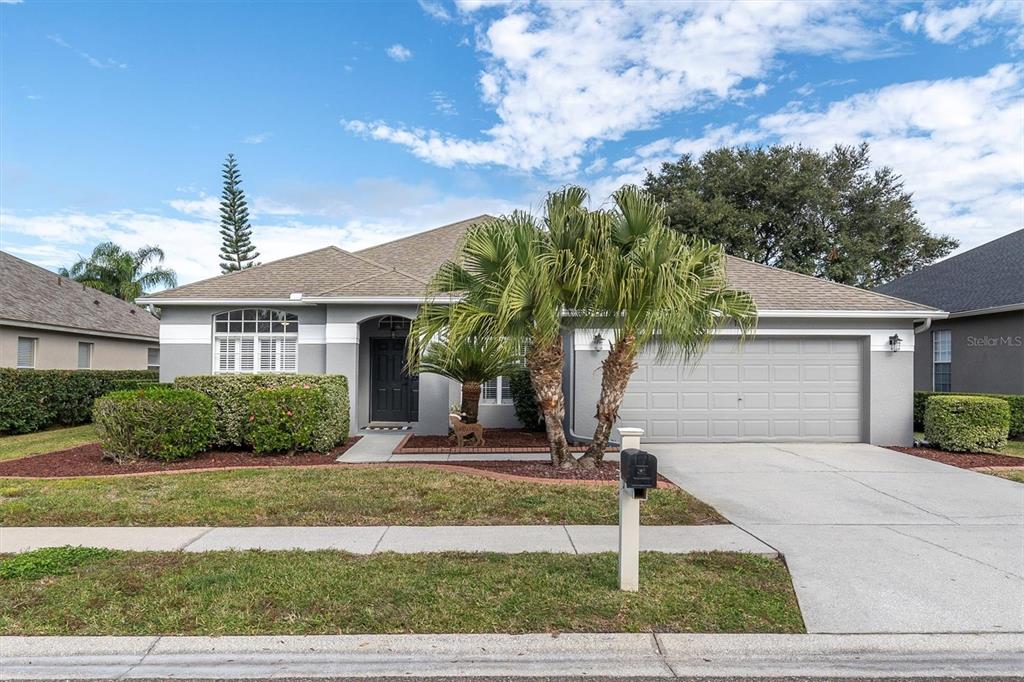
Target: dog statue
463,430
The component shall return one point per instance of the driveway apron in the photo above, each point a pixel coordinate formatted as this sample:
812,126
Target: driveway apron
877,541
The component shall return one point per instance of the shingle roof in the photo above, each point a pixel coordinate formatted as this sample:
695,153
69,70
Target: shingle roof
404,266
987,276
29,293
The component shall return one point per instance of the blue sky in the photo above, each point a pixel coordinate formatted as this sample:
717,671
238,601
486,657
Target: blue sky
355,123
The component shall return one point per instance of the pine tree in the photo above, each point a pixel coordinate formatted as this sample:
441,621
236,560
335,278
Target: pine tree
237,251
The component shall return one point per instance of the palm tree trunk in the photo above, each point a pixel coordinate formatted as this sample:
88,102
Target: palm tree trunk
616,370
545,365
471,401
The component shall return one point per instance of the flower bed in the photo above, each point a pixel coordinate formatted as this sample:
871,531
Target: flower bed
88,460
963,460
495,441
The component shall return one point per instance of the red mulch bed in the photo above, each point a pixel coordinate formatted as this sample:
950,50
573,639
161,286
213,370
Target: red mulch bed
87,460
608,471
964,460
495,440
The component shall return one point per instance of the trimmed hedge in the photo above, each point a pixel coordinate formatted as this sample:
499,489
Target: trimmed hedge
34,399
289,420
154,423
1016,408
230,394
525,401
965,423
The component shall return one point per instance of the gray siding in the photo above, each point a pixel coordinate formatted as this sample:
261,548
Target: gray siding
987,353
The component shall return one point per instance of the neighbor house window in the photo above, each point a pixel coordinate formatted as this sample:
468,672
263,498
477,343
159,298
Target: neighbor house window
27,352
152,358
255,340
496,392
942,357
84,355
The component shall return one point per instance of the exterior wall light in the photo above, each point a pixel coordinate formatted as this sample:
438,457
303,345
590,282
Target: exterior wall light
894,342
598,342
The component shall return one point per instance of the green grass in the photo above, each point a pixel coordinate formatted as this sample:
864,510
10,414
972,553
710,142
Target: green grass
12,447
1017,476
342,496
325,592
49,561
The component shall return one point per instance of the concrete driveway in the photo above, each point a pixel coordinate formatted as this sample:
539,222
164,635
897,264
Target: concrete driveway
877,541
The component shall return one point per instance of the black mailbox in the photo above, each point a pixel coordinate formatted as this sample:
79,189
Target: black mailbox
638,469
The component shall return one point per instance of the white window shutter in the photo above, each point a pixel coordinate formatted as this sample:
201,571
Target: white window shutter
26,352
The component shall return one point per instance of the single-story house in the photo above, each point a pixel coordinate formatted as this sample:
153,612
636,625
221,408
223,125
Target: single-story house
829,362
52,322
979,348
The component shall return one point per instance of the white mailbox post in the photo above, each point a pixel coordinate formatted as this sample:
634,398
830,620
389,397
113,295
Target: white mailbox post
629,521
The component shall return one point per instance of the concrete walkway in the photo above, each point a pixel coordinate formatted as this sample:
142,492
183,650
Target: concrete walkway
402,539
619,655
876,541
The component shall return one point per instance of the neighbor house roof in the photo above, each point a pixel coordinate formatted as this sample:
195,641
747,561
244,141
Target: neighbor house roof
35,296
402,268
988,276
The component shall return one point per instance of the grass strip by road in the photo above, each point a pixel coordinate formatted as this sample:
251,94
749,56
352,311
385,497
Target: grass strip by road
1017,476
326,592
337,496
52,440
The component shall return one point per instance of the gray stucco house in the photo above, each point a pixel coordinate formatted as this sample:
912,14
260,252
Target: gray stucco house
821,368
51,322
979,348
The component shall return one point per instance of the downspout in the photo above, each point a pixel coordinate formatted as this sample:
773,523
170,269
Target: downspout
924,327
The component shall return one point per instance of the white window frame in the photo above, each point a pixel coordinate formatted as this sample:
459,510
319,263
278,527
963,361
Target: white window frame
150,365
502,392
35,352
279,349
942,354
92,352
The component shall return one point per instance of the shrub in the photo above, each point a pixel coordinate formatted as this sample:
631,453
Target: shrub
1016,403
159,423
525,401
230,395
34,399
964,423
42,563
289,419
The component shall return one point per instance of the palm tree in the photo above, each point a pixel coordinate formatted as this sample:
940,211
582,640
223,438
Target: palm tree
654,287
512,280
120,272
471,363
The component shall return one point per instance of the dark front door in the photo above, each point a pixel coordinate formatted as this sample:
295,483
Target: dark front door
394,395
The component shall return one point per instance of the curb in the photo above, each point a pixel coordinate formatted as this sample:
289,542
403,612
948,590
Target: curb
654,655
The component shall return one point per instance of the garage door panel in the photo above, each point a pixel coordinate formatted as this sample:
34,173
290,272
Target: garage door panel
770,389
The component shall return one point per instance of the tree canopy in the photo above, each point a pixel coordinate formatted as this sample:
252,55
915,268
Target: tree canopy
120,272
823,214
237,251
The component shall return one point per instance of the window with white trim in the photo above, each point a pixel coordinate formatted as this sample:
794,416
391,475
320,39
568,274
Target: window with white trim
496,392
84,355
942,360
255,341
152,358
27,352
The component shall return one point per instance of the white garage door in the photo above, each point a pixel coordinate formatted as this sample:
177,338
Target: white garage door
767,390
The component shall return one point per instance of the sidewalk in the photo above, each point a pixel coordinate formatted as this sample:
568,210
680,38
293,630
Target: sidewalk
402,539
627,655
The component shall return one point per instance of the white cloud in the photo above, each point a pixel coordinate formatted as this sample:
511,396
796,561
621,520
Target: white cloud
435,10
368,212
565,77
258,138
443,104
958,143
94,62
34,97
11,2
980,19
399,52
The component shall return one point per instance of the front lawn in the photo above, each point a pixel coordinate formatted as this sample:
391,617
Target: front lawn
12,447
325,592
336,496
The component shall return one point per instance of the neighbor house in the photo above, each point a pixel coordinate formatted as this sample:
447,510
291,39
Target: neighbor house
51,322
979,348
829,362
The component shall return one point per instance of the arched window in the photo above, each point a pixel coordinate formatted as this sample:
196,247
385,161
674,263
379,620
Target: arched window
255,340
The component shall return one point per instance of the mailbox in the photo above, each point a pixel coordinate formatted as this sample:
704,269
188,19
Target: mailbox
638,469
